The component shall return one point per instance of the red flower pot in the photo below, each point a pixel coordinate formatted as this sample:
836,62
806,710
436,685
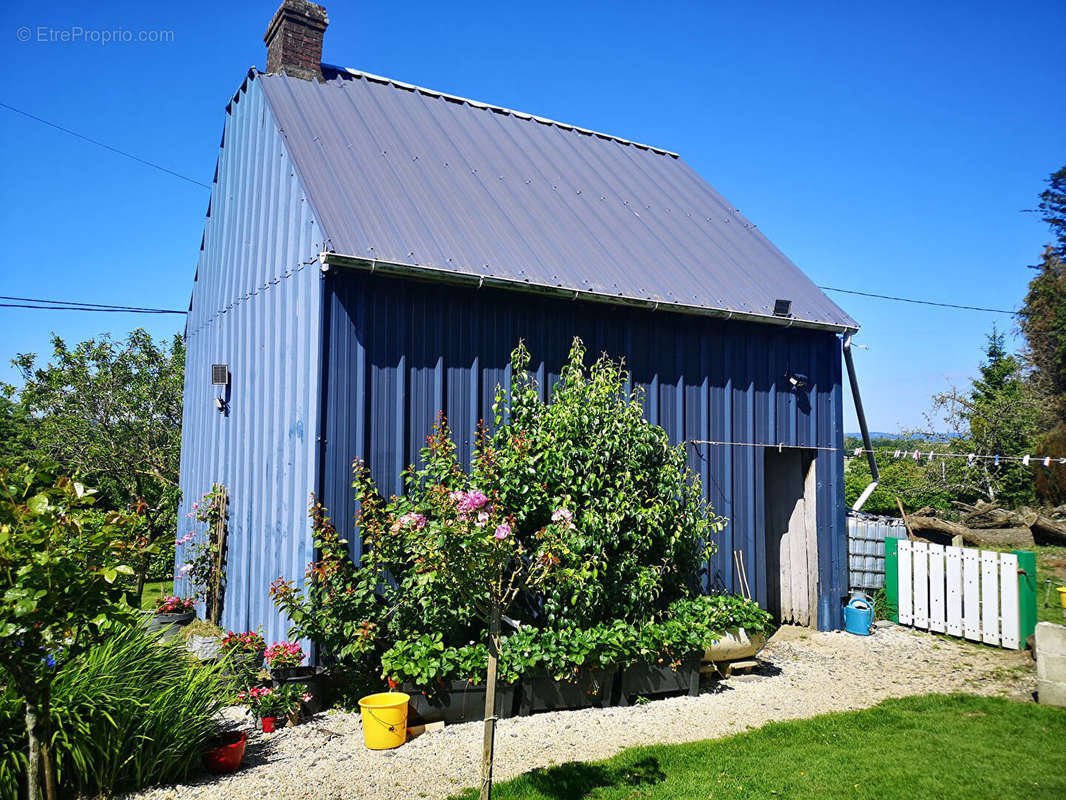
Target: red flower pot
227,756
268,724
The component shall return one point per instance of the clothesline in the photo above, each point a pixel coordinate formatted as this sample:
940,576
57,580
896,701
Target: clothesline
917,455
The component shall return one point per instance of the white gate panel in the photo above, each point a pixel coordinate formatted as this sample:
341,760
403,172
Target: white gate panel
953,570
937,616
971,594
904,551
1010,621
990,597
921,584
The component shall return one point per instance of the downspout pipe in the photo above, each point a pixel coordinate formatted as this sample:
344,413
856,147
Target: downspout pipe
862,427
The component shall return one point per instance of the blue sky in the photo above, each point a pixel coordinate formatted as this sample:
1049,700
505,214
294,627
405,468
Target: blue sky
888,149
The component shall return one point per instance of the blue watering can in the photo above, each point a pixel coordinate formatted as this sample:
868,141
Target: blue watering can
859,614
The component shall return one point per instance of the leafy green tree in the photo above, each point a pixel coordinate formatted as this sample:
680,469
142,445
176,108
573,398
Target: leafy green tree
110,412
1043,323
16,431
1000,413
56,595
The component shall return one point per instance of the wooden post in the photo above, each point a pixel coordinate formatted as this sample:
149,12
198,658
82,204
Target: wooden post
907,525
214,609
490,705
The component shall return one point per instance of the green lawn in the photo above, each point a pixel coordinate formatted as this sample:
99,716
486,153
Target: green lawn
943,746
153,590
1050,565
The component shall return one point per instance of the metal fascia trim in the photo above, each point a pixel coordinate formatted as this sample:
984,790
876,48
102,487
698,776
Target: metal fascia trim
479,281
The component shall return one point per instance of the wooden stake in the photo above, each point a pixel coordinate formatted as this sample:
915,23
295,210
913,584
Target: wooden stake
490,706
907,525
744,574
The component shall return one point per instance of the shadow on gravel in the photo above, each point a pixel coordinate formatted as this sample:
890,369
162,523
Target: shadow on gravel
575,779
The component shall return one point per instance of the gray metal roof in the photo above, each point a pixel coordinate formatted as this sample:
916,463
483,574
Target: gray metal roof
405,176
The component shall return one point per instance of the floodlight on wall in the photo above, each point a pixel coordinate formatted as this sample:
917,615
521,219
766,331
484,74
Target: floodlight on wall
782,308
798,380
220,377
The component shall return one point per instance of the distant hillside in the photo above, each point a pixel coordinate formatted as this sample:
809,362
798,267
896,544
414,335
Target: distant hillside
937,437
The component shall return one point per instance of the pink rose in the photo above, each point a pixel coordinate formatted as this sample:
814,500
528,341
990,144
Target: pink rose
503,530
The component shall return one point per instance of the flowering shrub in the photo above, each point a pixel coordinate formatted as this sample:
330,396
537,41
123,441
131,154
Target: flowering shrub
275,702
174,605
284,654
249,642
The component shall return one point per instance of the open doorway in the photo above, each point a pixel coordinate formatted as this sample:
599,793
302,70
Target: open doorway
791,531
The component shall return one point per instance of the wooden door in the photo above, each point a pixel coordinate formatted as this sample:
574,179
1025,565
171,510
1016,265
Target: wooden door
791,536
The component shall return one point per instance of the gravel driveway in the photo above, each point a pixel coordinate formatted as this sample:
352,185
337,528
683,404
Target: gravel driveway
805,673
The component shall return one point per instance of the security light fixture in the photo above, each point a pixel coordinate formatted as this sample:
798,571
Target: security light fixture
220,378
782,308
798,380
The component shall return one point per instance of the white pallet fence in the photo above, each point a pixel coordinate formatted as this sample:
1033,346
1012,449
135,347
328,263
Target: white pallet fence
959,591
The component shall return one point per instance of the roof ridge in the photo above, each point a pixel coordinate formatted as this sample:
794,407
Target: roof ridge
502,109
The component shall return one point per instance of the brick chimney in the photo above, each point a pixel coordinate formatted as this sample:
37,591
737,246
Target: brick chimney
294,39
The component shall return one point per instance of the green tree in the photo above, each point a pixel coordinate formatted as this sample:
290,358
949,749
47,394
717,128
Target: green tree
16,430
56,595
110,412
1001,414
1043,323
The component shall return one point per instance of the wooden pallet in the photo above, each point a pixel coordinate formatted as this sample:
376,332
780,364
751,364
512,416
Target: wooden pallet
729,668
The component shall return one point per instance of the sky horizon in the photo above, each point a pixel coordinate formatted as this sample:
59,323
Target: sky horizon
888,151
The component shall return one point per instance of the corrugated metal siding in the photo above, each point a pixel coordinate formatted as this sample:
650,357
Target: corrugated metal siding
257,307
413,177
398,351
866,548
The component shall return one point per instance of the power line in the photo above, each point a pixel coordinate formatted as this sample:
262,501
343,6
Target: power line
77,135
38,304
917,455
920,302
87,306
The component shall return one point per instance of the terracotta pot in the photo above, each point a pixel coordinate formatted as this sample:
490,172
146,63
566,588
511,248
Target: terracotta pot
268,724
227,756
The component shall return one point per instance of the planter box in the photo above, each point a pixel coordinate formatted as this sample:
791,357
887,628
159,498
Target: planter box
591,689
459,701
168,625
205,648
650,680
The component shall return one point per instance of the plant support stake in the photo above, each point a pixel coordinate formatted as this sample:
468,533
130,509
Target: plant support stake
490,705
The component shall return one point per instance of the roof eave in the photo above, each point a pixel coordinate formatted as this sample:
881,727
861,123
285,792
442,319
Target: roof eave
452,276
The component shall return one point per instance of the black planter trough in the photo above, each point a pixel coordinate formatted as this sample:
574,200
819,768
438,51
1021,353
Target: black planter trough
458,701
168,625
313,679
590,689
651,680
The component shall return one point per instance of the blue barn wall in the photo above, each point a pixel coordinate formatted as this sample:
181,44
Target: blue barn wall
256,306
399,350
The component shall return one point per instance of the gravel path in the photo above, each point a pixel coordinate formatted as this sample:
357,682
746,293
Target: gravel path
805,673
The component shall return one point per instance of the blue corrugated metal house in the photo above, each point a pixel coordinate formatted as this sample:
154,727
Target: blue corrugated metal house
374,250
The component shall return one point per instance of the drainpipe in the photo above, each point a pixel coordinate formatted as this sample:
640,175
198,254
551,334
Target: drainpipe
862,427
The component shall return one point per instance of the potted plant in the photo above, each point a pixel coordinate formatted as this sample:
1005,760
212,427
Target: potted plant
225,754
171,614
284,659
245,653
203,639
270,703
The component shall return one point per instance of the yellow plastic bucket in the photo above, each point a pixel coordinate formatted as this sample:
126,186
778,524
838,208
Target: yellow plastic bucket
384,719
1062,596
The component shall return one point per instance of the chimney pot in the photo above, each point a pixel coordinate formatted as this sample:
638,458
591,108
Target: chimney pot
294,39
